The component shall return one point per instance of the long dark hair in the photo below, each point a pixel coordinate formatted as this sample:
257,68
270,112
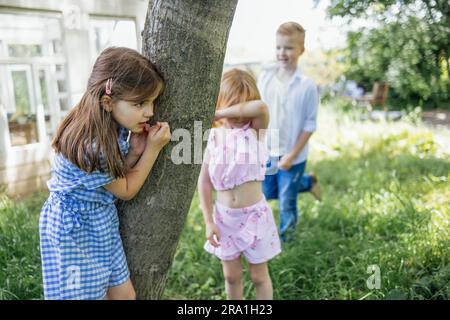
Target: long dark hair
134,78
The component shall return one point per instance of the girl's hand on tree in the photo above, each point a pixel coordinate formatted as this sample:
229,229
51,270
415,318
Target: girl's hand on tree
158,135
213,234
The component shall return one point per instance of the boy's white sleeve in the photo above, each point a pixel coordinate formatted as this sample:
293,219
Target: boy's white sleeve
312,104
259,82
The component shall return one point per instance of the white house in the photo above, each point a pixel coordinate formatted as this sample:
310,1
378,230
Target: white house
47,49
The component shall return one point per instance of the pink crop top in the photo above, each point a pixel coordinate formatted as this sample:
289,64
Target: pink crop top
235,156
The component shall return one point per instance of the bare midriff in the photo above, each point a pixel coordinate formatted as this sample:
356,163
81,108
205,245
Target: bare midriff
241,196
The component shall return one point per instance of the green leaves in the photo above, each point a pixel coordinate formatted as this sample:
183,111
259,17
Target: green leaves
408,49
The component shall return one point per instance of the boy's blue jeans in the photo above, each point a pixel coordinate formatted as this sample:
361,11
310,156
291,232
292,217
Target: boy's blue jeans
285,186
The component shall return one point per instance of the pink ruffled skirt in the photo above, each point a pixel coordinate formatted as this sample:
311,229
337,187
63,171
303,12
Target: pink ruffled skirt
249,230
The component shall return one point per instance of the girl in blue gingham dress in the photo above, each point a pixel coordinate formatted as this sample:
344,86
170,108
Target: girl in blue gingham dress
81,250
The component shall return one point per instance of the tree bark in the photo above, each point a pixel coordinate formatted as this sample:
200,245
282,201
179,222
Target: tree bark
186,39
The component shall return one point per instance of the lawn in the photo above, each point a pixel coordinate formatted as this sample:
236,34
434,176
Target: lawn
386,207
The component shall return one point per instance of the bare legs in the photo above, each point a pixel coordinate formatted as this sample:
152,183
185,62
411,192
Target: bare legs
259,274
232,272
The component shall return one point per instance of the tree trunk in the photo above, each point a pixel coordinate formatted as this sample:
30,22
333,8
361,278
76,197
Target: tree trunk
186,39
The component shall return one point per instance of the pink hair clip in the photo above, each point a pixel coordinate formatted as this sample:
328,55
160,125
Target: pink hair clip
108,86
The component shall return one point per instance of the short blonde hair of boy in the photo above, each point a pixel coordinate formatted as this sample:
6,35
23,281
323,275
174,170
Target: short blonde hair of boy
291,28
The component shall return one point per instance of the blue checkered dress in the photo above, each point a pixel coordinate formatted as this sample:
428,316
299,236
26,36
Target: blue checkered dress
81,249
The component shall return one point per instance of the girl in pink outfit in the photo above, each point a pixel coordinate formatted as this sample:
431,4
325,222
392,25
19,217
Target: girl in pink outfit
241,221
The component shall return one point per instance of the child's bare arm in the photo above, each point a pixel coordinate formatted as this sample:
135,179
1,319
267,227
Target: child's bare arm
131,159
205,191
257,110
287,160
138,143
127,187
300,144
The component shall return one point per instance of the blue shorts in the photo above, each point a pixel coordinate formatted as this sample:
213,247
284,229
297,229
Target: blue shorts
81,250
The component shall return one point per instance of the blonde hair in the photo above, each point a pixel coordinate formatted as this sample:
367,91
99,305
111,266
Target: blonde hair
236,86
291,28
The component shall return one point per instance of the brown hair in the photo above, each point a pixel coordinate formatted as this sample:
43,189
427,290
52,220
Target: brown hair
236,86
291,28
88,129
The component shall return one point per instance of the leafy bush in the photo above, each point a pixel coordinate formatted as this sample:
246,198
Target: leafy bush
408,48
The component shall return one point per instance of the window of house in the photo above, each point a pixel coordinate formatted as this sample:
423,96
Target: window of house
32,67
21,113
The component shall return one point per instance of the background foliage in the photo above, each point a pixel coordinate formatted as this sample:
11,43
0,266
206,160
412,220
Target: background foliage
407,46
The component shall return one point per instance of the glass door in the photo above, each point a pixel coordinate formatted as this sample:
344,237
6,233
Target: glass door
21,112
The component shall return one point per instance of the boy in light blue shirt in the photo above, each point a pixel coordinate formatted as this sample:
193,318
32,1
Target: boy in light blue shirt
293,100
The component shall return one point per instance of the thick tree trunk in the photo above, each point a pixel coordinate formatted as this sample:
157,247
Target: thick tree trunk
186,39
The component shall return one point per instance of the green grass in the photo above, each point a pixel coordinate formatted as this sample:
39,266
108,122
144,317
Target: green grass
20,263
386,202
